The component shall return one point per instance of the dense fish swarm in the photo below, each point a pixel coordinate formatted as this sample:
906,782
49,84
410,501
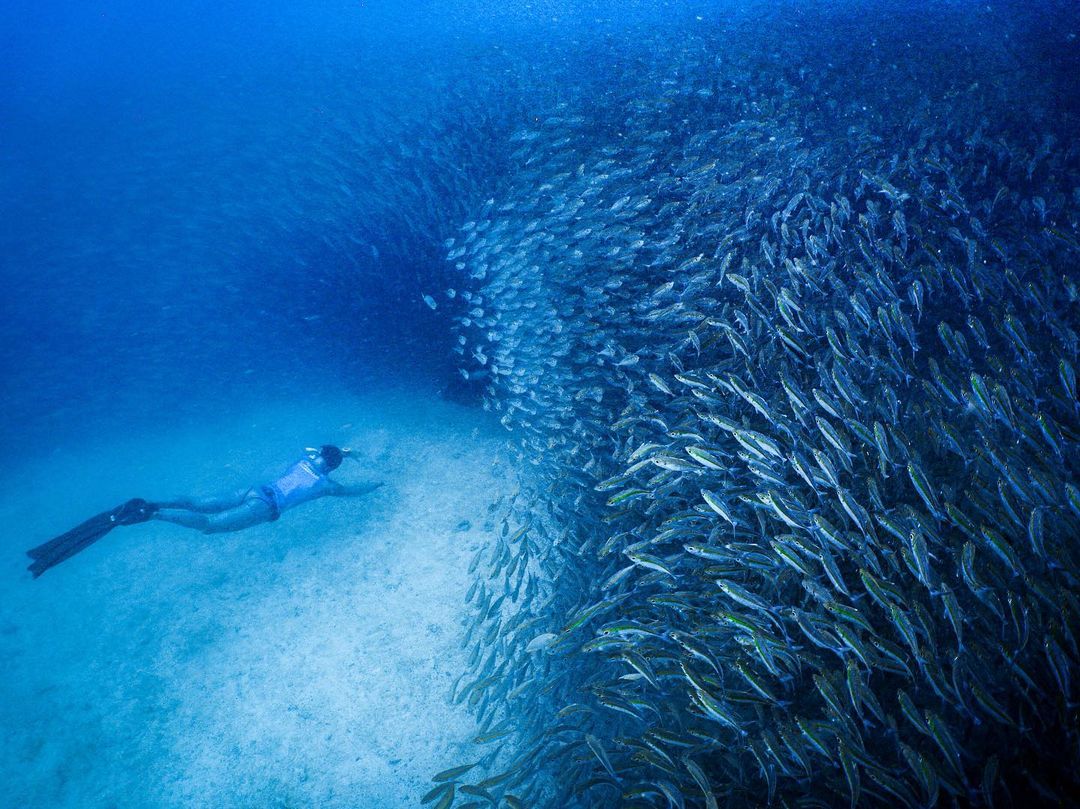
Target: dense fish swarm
785,326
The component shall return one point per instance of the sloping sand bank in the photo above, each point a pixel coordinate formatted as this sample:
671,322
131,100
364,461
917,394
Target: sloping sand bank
301,663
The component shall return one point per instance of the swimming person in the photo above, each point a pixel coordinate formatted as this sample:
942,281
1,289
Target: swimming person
305,480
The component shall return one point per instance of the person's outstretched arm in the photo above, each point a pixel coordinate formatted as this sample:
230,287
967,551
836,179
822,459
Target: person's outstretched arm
353,489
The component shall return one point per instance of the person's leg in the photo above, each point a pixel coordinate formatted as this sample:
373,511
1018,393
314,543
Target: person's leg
208,505
251,511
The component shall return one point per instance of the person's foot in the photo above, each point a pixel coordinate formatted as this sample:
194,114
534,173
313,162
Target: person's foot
134,511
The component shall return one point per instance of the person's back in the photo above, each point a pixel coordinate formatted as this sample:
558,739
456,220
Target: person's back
301,483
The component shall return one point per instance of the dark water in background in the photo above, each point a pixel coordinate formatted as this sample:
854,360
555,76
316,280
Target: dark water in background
179,228
206,202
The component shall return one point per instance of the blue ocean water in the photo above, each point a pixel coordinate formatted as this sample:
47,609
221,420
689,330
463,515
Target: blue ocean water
234,230
179,228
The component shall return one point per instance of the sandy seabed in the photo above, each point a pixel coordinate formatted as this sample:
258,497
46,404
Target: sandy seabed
306,662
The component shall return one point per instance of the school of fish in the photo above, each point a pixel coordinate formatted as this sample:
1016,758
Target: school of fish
784,326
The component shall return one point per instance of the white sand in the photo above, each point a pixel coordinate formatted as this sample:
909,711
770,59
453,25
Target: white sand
302,663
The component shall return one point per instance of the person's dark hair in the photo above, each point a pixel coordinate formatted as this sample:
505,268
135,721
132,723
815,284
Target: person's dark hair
332,455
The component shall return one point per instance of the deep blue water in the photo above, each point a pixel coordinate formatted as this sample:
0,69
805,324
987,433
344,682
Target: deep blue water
194,209
179,227
224,224
205,200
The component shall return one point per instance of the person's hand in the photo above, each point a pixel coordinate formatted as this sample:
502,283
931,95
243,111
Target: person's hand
363,488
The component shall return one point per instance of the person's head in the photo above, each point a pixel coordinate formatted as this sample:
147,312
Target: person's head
328,457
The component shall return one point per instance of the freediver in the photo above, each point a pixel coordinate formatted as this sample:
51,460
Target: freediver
307,479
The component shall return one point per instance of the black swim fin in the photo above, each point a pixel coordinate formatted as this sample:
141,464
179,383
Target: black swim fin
55,551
